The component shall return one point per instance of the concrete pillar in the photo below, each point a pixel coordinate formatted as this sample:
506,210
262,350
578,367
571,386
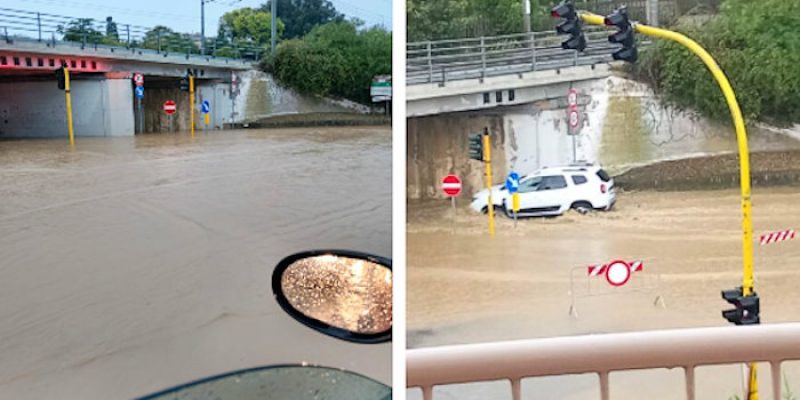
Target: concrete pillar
118,106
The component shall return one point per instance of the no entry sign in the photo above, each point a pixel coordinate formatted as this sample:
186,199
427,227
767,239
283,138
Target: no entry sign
451,185
169,107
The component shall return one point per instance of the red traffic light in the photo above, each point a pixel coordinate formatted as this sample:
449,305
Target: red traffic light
564,10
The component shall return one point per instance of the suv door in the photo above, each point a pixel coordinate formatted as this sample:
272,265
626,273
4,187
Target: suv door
541,194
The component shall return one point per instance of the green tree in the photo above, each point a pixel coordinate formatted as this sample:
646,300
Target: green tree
301,16
335,59
84,30
757,44
247,27
165,39
80,30
449,19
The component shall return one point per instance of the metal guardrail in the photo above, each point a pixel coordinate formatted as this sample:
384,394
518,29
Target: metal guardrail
448,60
602,354
27,26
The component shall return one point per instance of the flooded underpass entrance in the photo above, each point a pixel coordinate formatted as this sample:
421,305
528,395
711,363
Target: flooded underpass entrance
133,264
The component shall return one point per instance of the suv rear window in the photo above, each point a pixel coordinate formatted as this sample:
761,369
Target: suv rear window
578,179
603,175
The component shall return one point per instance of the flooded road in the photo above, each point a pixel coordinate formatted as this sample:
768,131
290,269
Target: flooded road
466,288
131,264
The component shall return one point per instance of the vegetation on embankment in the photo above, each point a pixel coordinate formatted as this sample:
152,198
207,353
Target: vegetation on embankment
337,59
769,168
756,43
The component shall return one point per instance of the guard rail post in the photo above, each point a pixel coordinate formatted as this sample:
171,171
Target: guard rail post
430,64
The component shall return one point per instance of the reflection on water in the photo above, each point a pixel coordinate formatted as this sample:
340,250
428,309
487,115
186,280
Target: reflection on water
137,263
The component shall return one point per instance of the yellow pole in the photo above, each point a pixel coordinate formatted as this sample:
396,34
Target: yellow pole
744,153
487,159
69,107
191,101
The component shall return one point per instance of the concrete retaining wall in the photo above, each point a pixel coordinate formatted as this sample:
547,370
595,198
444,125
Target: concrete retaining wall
38,109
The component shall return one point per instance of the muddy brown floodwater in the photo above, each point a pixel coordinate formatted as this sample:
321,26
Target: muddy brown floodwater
464,287
128,265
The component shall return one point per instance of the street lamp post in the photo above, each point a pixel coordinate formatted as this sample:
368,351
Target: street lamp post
274,33
203,24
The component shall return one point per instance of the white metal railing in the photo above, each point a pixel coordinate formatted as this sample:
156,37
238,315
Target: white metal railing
447,60
602,354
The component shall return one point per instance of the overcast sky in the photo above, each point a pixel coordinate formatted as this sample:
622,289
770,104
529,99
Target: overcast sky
183,15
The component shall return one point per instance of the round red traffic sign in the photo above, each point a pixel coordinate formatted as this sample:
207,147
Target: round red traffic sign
618,273
572,97
574,118
451,185
169,107
138,79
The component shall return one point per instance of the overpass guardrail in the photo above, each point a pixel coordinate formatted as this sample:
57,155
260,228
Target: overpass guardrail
449,60
29,27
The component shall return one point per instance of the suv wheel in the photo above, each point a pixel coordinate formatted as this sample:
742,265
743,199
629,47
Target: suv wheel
583,207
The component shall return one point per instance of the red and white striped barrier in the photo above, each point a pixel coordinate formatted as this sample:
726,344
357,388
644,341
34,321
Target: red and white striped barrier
595,270
617,272
774,237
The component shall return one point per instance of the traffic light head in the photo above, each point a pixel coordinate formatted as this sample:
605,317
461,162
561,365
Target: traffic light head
61,78
571,25
747,308
624,35
564,10
185,84
476,146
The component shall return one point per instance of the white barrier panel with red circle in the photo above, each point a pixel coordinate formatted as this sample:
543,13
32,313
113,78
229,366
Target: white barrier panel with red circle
619,280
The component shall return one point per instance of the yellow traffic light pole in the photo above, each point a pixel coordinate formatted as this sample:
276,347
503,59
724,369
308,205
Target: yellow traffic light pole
744,154
191,101
487,159
69,107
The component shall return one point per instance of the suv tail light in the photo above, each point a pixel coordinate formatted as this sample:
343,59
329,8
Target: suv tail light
602,188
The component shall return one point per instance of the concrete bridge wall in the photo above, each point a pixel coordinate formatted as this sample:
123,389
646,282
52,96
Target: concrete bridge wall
101,107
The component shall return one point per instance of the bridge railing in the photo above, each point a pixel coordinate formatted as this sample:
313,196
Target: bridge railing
447,60
58,30
603,354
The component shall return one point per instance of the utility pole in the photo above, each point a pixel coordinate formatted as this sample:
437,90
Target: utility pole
203,25
274,12
526,15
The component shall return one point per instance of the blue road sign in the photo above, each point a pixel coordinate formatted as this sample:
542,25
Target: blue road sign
206,106
139,91
512,182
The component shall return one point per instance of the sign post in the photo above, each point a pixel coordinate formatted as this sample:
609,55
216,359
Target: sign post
381,90
205,107
574,120
169,109
138,79
512,185
451,186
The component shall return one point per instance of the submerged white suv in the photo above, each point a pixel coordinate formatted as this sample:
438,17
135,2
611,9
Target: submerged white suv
553,191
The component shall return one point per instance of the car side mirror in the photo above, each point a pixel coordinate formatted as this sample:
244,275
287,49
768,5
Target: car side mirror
343,294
